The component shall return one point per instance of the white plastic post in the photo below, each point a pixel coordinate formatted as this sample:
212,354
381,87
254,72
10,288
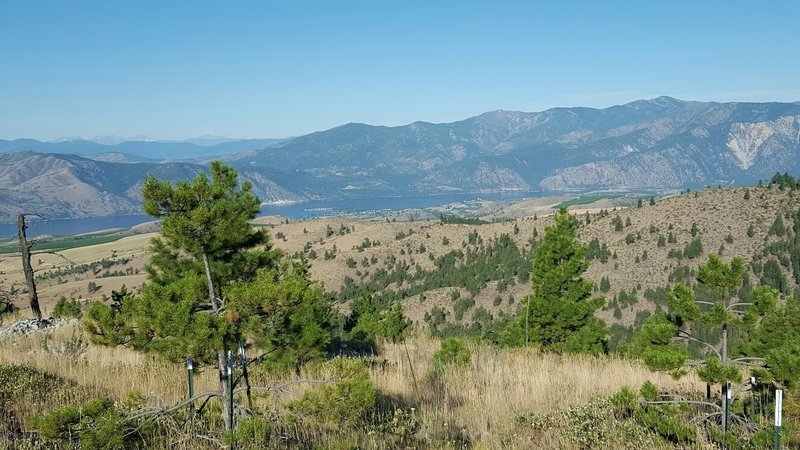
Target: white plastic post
778,417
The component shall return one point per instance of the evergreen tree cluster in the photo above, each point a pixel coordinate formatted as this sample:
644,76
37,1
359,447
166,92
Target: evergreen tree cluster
784,181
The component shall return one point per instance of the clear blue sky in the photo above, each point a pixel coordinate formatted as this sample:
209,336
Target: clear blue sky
177,69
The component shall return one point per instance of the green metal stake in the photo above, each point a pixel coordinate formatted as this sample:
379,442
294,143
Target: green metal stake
230,388
778,417
190,370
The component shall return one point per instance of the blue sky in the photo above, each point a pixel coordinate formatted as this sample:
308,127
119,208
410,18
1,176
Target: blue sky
179,69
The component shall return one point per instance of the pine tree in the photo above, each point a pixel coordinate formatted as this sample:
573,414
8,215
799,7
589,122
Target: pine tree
559,313
671,238
215,282
605,284
777,228
658,341
617,222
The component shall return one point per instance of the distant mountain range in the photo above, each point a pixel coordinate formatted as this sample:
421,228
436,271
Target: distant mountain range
133,151
655,144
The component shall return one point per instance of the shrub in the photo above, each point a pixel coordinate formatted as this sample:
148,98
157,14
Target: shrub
6,306
675,253
452,352
67,308
623,402
342,403
250,433
95,425
462,305
693,249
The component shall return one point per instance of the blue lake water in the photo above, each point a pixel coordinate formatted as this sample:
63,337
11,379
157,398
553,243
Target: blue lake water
64,227
324,208
321,208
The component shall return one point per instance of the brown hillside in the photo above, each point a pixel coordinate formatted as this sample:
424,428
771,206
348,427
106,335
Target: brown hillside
362,247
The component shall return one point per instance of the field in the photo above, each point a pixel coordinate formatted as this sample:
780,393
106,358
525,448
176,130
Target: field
489,403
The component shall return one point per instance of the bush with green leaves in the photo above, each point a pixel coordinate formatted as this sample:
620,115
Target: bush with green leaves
67,308
369,320
97,424
693,249
461,306
344,402
6,305
251,433
452,351
684,422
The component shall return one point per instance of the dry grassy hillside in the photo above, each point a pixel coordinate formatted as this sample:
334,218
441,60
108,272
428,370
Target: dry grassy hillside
722,217
68,272
363,247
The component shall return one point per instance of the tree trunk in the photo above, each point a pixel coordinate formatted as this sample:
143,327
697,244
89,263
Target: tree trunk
221,358
25,249
211,297
527,312
724,344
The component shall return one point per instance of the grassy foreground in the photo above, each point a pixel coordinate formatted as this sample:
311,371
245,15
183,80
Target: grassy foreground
504,398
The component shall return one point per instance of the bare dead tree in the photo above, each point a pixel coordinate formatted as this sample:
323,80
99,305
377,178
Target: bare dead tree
25,250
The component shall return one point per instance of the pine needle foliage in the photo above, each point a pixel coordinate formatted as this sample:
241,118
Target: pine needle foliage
559,313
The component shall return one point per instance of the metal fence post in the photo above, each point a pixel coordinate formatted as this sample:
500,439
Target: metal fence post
753,399
230,388
190,370
245,375
778,417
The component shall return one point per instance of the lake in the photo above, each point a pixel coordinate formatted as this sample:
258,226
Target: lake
325,208
305,210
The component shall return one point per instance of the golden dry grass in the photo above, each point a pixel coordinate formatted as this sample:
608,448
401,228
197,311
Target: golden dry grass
500,385
483,399
107,371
